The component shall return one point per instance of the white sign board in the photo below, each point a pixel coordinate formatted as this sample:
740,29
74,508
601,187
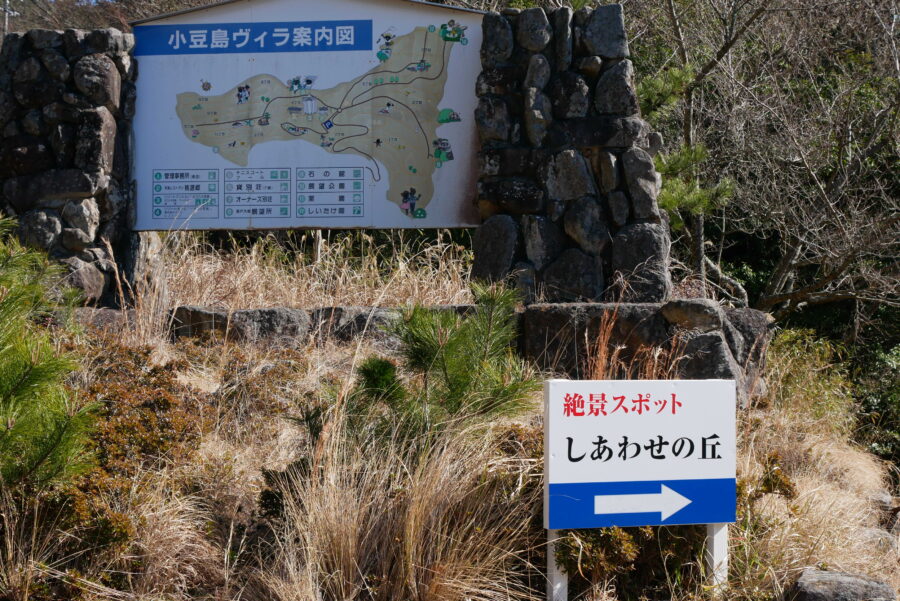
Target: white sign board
639,453
293,114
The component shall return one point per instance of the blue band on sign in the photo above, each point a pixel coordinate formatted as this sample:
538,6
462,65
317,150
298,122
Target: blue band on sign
656,503
231,38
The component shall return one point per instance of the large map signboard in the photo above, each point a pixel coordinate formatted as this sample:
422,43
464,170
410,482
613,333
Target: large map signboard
285,114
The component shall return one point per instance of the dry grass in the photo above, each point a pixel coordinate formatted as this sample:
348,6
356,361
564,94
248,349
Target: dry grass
450,522
808,498
350,270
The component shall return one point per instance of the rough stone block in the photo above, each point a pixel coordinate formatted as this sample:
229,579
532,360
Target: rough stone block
190,320
562,37
700,314
506,162
56,64
495,244
543,240
640,263
538,74
585,224
533,30
755,328
590,67
280,326
604,33
492,119
85,277
8,106
497,46
56,184
643,182
567,176
609,172
619,207
96,144
40,229
83,214
819,585
97,77
75,240
98,41
44,38
707,357
615,94
573,276
538,116
559,336
347,323
73,43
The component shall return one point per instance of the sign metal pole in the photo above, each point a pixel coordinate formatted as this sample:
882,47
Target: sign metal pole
717,555
557,580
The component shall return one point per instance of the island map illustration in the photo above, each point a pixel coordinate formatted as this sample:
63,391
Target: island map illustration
387,115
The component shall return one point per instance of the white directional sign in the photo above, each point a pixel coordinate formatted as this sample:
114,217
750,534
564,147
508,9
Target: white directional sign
297,113
639,453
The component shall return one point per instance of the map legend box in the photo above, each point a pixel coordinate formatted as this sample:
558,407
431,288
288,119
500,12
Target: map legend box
331,192
258,192
185,193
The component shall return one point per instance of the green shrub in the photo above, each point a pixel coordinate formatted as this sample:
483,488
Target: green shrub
805,374
879,404
43,432
462,365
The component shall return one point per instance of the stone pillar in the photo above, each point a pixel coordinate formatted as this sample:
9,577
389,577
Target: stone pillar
567,187
66,103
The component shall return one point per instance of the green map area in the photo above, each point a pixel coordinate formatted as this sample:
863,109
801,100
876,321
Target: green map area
389,114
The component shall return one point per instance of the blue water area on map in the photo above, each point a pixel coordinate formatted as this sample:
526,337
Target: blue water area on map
713,501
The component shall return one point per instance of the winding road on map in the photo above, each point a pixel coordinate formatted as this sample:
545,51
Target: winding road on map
389,114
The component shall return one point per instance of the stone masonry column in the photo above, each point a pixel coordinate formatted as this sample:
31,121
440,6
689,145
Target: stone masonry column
567,187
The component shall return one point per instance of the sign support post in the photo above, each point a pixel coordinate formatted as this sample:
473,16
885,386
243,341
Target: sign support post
557,580
717,554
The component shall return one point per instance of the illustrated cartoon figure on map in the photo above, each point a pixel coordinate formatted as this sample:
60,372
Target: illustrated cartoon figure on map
243,94
441,149
385,43
409,198
387,38
451,31
300,84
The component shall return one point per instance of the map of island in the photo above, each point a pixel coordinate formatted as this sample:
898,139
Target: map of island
390,113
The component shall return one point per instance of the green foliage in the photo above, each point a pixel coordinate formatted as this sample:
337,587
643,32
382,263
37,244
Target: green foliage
805,374
467,363
659,93
681,191
879,404
42,431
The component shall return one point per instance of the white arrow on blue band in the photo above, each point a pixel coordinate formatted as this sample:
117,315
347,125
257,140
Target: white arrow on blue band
666,502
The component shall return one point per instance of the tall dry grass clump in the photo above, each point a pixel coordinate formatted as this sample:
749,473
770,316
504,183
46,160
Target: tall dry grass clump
447,519
352,269
387,269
